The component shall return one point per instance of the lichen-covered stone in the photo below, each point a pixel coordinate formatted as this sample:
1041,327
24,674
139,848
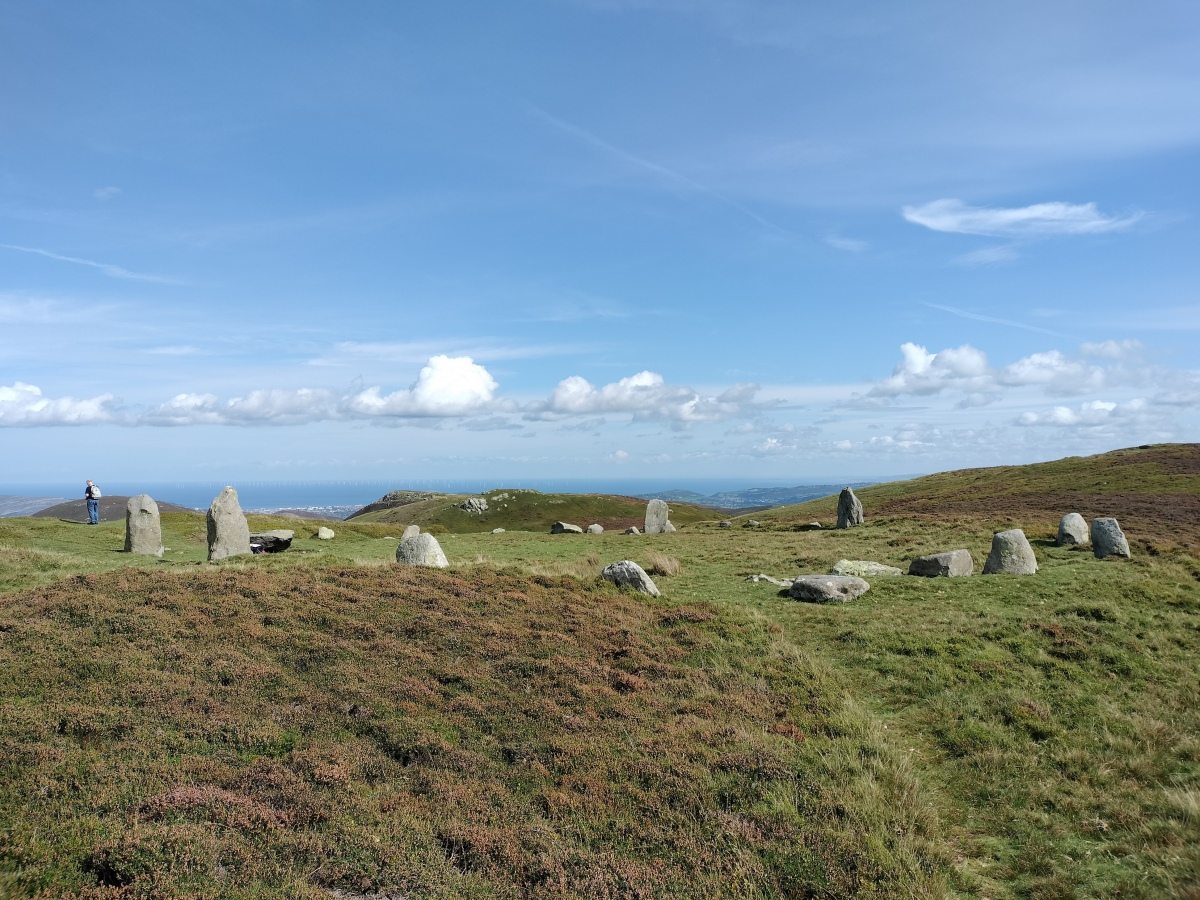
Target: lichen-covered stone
950,564
828,588
143,526
627,573
228,533
1108,539
1011,555
421,550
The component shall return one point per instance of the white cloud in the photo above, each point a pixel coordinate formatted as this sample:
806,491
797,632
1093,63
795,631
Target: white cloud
988,256
1112,349
645,395
446,386
1090,414
921,372
23,404
1040,219
850,245
106,193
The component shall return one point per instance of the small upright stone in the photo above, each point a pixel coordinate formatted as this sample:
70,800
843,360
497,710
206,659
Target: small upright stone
849,510
410,531
595,529
228,533
951,564
565,528
326,534
421,550
630,574
143,527
1011,554
828,588
657,513
1108,539
1072,529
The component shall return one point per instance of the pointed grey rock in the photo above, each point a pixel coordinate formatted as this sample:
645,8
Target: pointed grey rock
228,533
143,526
1011,555
630,574
421,550
1072,529
1108,539
849,510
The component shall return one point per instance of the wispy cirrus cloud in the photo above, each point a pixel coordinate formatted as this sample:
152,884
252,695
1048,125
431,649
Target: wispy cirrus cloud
1037,220
112,271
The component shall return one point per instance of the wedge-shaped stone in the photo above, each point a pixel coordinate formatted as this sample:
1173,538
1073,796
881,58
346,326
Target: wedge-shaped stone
951,564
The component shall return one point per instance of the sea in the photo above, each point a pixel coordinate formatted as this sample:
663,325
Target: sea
339,499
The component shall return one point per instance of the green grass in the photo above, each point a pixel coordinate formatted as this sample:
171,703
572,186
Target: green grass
992,736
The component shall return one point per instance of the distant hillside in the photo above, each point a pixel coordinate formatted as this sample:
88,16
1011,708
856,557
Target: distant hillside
1153,490
521,510
756,498
112,509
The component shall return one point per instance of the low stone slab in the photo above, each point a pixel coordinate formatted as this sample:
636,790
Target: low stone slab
1010,555
769,580
1072,529
863,568
1108,539
497,531
565,528
422,550
724,524
828,588
410,531
627,573
275,541
951,564
595,529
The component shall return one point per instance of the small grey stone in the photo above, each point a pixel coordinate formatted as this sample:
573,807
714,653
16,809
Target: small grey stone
228,533
724,524
632,529
1072,529
768,579
565,528
951,564
497,531
1011,555
828,588
421,550
410,531
595,529
668,527
849,509
863,568
628,573
275,541
143,526
325,534
656,516
474,506
1108,539
752,522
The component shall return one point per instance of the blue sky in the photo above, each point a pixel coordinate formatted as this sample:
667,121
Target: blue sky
572,238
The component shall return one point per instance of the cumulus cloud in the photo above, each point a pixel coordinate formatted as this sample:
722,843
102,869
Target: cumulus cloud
24,404
1092,413
645,395
921,372
447,386
1038,220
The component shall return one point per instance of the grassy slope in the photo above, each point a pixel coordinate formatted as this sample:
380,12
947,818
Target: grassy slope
525,510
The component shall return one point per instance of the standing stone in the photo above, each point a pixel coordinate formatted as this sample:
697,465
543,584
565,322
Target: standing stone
410,531
143,527
951,564
627,572
828,588
565,528
228,533
656,516
326,534
1011,555
421,550
1072,529
595,529
1108,539
849,510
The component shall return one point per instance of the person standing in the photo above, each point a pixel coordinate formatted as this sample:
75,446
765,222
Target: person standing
92,494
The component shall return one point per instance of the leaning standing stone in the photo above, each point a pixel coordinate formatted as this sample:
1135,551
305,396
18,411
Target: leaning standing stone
228,533
1108,539
828,588
951,564
143,527
421,550
1072,529
410,531
849,510
1011,555
630,574
656,516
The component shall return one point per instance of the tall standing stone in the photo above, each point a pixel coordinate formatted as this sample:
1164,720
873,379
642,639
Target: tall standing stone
657,513
143,527
228,533
1108,539
1072,529
1011,554
849,509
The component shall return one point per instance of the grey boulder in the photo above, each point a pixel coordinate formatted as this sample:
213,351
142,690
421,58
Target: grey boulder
275,541
410,531
474,506
497,531
725,525
565,528
862,568
1108,539
326,534
143,526
595,529
627,573
849,509
1011,554
668,527
1072,529
228,533
632,529
828,588
656,516
421,550
951,564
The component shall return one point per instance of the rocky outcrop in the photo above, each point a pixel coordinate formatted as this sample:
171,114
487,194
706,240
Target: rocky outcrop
627,573
565,528
143,526
1108,539
951,564
828,588
849,509
421,550
274,541
595,529
862,568
228,533
474,506
657,516
1011,554
1072,529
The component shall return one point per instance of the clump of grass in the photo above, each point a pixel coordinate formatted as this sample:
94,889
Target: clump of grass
586,569
661,564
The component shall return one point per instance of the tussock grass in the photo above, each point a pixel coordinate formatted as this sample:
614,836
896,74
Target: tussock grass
661,564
